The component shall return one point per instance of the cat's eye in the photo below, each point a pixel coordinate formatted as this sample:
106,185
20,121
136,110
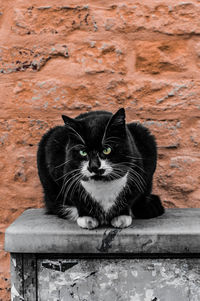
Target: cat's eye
107,151
83,153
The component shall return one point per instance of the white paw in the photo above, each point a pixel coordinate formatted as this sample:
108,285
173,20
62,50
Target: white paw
87,222
122,221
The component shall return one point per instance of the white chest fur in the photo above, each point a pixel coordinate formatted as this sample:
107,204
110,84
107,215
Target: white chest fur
105,193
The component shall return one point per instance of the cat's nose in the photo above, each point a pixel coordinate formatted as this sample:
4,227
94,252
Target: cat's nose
94,166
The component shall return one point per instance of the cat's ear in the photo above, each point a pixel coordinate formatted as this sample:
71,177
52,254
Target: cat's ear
116,125
69,121
73,126
118,118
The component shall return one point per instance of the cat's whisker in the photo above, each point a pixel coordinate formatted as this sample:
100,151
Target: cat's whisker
66,174
62,164
76,186
61,190
114,138
66,192
124,164
110,140
138,182
135,177
70,179
137,158
76,133
141,183
116,174
139,176
132,164
75,146
133,170
65,182
74,181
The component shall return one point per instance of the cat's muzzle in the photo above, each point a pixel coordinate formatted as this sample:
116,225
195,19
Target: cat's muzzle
96,171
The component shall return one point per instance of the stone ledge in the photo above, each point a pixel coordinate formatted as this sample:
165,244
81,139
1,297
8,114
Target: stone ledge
177,231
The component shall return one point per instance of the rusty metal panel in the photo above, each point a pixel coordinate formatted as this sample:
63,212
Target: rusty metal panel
119,280
16,269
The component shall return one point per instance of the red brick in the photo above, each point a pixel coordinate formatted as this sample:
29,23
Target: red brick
52,19
18,59
172,18
157,57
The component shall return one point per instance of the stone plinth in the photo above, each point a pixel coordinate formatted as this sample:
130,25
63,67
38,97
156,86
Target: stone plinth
177,231
152,260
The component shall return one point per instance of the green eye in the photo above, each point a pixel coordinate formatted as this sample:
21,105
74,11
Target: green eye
83,153
107,151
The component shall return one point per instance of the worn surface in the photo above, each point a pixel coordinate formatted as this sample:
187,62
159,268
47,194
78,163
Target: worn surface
23,277
119,280
90,279
177,231
29,277
59,56
17,277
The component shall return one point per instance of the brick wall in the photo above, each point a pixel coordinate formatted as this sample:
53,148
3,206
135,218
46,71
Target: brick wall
73,56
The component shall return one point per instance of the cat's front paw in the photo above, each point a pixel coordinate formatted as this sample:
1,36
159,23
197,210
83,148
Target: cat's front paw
122,221
87,222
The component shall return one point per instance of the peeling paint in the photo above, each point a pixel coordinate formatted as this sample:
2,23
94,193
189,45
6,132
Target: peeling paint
121,279
149,295
14,262
107,240
14,294
59,266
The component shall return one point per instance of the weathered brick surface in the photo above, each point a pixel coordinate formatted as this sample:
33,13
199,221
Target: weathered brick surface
62,19
18,58
157,57
73,56
168,17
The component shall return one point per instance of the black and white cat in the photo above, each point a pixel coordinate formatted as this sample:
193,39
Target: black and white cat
98,170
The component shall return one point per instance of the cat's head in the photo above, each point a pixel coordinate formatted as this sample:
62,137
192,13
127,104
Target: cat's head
99,146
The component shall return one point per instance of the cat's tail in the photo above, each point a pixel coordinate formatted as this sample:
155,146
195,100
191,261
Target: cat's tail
148,206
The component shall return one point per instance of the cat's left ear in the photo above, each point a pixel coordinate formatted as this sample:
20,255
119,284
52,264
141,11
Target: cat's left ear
116,125
118,118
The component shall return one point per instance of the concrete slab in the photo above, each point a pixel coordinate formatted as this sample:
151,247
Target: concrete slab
177,231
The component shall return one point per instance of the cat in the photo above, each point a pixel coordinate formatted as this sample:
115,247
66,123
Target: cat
97,170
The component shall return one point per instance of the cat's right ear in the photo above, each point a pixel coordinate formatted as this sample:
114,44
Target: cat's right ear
68,121
73,127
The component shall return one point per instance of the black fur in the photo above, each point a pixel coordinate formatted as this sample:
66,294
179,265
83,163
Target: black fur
133,150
